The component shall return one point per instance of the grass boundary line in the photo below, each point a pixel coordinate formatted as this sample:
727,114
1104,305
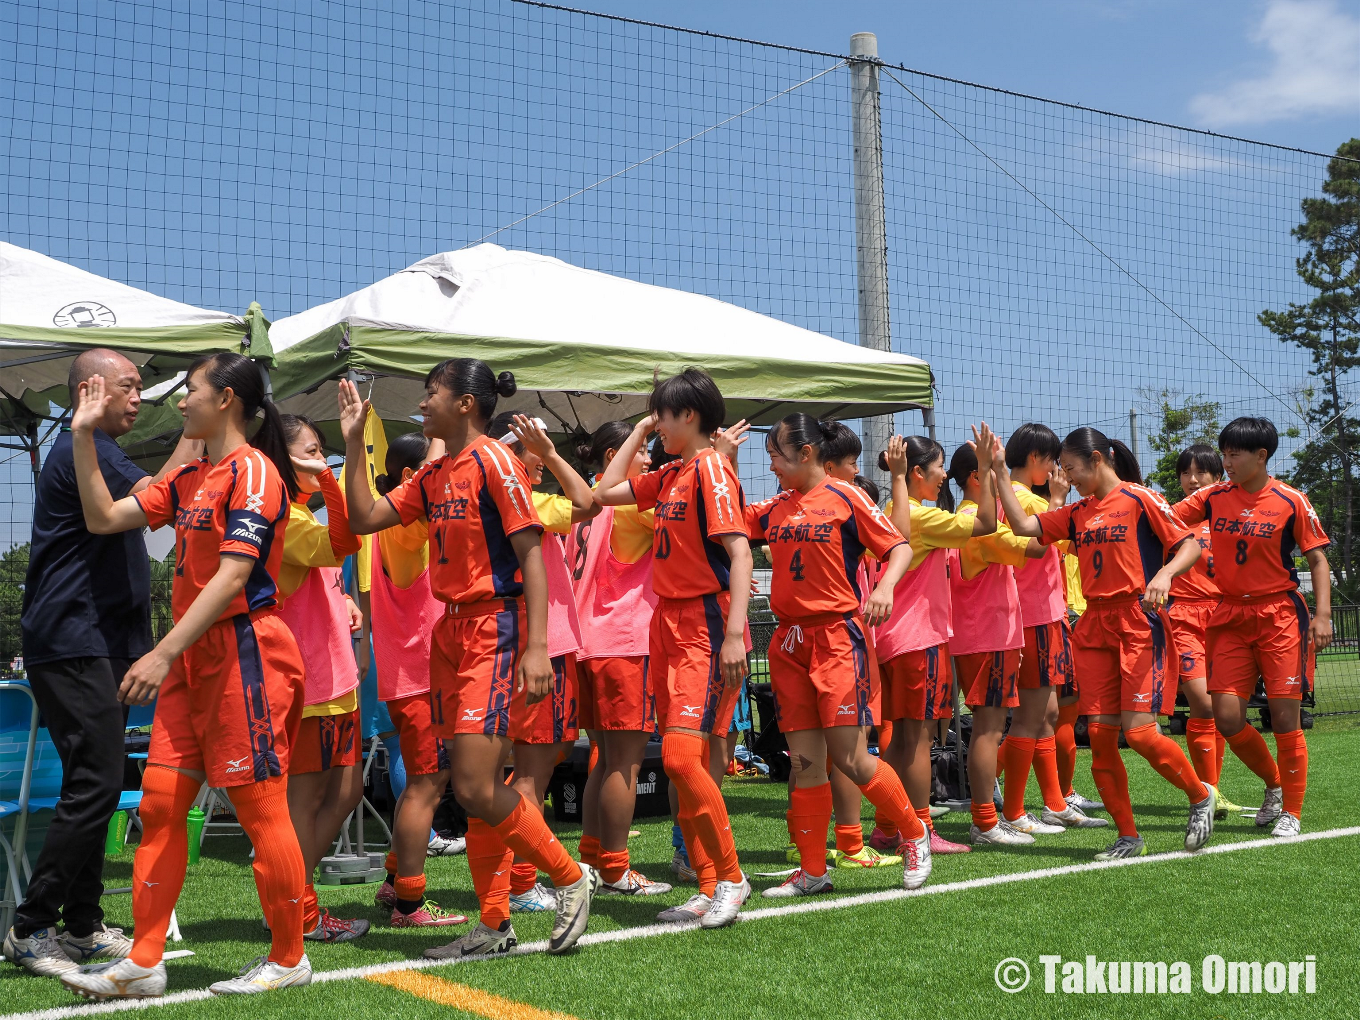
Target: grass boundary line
760,914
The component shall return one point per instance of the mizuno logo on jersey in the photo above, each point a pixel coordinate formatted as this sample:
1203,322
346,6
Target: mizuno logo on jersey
246,526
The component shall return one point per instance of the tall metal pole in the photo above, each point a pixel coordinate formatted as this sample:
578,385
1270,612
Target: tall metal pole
871,231
1133,433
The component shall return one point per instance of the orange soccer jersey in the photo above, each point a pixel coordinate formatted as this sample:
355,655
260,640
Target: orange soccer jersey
474,501
1121,541
696,504
236,507
1198,584
816,540
1254,535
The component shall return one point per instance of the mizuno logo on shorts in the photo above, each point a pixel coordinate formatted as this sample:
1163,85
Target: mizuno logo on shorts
846,710
471,714
689,709
235,764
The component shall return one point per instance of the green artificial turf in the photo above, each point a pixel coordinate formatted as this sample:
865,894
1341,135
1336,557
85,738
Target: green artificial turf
928,956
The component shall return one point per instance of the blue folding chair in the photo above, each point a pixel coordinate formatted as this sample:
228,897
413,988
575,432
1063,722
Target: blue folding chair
18,716
140,717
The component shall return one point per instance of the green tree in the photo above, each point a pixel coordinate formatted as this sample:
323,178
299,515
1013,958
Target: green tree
1181,421
13,571
1328,328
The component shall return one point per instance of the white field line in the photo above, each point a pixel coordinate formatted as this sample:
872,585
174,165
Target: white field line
760,914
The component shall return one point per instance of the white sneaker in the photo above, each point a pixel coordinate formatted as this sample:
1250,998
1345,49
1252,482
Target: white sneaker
800,883
263,975
1071,817
916,863
1201,824
1287,825
691,910
41,953
635,883
103,943
573,910
1028,823
441,846
481,941
121,979
1000,834
727,900
1076,800
1271,806
537,900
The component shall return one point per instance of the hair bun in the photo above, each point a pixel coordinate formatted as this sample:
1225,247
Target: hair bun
505,384
827,429
383,484
883,460
584,451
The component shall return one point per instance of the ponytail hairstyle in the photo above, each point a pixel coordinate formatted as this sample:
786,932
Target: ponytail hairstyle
922,451
246,380
609,436
406,451
474,377
797,430
843,443
961,467
1202,457
1085,441
870,489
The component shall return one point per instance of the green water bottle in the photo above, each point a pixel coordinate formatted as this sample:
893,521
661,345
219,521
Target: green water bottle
117,835
196,820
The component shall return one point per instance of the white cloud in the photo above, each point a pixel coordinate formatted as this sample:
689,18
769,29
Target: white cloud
1315,68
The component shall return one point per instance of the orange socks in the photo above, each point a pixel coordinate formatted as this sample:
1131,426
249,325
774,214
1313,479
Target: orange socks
1251,747
523,877
886,825
704,869
490,861
1201,736
1016,755
311,909
1293,752
984,814
685,757
280,874
1166,756
613,864
1107,769
588,850
1046,773
849,839
1066,744
410,890
810,814
1221,743
526,833
885,791
158,868
922,813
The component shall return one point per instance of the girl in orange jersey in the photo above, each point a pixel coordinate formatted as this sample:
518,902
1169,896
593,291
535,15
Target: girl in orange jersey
1194,596
325,781
227,678
486,565
1131,547
913,645
987,643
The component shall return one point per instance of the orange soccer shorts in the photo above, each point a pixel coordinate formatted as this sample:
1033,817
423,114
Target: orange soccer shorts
474,654
232,704
1189,626
686,639
326,742
918,685
616,694
990,679
1265,637
553,719
421,750
1126,658
823,673
1047,661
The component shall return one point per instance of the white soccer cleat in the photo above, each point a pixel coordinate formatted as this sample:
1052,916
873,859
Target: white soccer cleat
442,846
1000,834
691,910
481,941
103,943
121,979
264,975
1287,825
1201,824
1083,804
573,910
727,900
41,953
1029,824
635,883
537,900
1271,806
1072,818
800,883
916,863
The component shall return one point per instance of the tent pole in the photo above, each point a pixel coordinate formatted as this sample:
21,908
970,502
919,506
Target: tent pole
871,234
31,434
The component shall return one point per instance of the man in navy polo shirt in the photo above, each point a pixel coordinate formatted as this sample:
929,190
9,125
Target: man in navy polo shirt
86,619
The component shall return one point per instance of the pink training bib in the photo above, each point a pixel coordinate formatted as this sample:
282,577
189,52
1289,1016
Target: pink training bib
921,616
403,620
614,600
317,616
564,626
986,609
